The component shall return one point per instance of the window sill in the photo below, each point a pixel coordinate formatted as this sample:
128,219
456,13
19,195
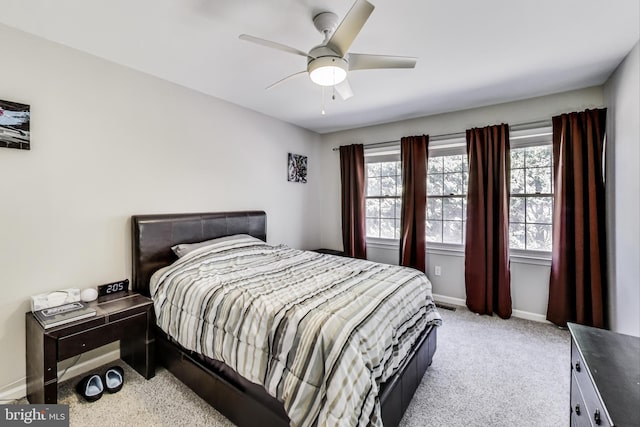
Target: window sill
516,256
379,243
445,249
530,257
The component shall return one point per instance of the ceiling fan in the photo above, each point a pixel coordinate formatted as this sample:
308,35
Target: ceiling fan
329,62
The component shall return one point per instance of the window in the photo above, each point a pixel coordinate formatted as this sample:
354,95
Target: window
447,177
383,199
531,201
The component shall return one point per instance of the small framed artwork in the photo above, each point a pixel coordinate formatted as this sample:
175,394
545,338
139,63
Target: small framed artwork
297,171
14,125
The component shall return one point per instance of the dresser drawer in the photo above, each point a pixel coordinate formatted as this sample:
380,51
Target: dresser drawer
594,409
579,414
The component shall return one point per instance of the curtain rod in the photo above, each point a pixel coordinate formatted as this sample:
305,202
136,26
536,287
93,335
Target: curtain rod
441,136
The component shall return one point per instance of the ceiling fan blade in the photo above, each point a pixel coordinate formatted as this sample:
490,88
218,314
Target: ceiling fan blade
285,79
350,26
359,61
273,45
344,89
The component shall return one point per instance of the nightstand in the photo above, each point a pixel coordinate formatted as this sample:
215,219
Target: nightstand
128,318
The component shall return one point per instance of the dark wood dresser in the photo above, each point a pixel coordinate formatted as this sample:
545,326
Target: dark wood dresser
605,378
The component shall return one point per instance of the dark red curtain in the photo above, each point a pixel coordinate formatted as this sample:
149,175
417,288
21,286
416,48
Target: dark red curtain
578,281
413,155
353,200
487,276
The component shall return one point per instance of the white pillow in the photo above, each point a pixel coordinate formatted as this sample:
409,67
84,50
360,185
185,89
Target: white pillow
184,248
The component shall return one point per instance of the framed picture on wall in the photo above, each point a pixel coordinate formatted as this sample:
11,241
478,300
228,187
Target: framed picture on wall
297,171
14,125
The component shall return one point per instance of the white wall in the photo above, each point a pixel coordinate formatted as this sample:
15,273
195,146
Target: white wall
108,142
529,281
622,93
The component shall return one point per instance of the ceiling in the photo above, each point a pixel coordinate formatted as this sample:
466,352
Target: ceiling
470,53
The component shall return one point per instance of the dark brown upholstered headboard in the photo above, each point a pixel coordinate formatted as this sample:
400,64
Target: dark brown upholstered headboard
153,235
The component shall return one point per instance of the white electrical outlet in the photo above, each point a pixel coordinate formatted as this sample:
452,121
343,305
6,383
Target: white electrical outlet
437,270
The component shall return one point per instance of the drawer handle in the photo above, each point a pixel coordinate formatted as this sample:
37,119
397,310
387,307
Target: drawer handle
578,366
596,417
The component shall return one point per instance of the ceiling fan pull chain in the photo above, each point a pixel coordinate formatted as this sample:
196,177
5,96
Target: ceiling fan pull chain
322,110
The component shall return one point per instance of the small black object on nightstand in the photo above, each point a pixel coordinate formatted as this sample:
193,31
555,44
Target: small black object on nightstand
330,252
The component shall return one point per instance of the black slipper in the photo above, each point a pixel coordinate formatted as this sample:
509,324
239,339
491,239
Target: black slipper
113,379
90,387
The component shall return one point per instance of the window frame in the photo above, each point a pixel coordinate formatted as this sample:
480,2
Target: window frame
379,155
449,148
540,136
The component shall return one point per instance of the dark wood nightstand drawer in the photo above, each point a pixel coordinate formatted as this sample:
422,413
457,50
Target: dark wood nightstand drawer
96,337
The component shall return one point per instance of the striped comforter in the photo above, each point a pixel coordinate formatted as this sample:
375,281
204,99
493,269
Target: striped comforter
319,332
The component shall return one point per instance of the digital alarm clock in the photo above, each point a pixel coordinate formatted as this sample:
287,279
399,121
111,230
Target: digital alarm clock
113,288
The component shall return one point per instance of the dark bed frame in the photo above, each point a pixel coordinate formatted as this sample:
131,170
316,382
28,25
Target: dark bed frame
243,402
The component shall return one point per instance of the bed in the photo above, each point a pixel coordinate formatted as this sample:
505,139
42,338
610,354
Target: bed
242,401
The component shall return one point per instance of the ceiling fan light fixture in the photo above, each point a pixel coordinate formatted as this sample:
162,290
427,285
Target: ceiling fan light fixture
328,71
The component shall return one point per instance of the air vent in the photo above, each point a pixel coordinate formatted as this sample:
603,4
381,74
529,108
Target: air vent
446,306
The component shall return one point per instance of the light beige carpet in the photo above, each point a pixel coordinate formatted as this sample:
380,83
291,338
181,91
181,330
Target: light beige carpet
486,371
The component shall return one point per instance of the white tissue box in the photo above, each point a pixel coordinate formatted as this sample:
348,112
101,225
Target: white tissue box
54,298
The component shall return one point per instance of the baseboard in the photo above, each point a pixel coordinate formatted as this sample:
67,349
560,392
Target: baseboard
449,300
536,317
521,314
20,390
